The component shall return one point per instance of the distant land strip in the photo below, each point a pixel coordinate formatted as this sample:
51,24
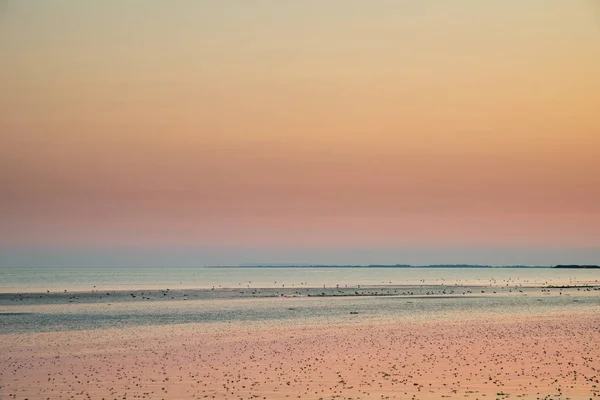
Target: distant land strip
394,266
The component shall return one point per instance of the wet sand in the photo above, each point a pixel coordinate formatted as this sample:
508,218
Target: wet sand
470,356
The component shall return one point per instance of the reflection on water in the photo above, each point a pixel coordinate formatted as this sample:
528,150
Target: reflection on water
87,279
123,310
41,299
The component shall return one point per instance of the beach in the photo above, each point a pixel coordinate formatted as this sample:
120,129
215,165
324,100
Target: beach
528,343
299,200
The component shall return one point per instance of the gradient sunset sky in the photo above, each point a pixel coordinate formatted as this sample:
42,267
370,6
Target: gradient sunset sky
306,131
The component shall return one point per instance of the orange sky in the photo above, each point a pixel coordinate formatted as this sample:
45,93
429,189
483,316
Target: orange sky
309,125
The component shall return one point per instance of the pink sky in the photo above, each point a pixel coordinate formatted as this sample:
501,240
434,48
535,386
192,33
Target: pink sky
300,125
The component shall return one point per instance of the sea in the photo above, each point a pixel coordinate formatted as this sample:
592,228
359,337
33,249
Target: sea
59,299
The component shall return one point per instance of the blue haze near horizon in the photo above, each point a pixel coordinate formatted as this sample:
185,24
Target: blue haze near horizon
202,256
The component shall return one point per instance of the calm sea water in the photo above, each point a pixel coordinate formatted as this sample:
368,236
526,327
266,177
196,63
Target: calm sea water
46,300
83,279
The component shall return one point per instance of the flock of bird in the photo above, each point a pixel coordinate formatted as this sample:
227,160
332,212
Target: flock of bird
529,357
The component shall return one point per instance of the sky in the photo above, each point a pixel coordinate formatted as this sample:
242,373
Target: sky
233,131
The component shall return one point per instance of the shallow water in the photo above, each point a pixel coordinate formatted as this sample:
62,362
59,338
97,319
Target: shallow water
120,310
86,279
30,299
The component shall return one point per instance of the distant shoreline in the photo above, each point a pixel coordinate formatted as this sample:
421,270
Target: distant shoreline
308,266
458,266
